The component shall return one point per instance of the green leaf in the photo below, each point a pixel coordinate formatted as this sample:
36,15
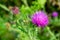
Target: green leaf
4,7
42,2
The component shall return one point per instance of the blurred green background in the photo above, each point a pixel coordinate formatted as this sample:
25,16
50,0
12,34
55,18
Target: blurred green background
19,26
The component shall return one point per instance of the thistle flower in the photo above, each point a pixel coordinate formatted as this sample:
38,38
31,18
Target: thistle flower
15,10
40,18
55,14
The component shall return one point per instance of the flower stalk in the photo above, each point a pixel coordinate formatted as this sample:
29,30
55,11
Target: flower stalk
52,35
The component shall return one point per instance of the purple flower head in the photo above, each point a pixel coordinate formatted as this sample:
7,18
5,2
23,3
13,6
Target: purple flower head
15,10
40,18
55,14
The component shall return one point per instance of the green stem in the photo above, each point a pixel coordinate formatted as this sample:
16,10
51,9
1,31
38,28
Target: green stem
56,19
52,35
11,16
30,36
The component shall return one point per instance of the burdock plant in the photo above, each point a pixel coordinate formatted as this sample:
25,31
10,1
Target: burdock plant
55,17
15,10
55,14
40,19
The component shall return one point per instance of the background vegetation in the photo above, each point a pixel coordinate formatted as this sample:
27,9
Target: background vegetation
19,26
